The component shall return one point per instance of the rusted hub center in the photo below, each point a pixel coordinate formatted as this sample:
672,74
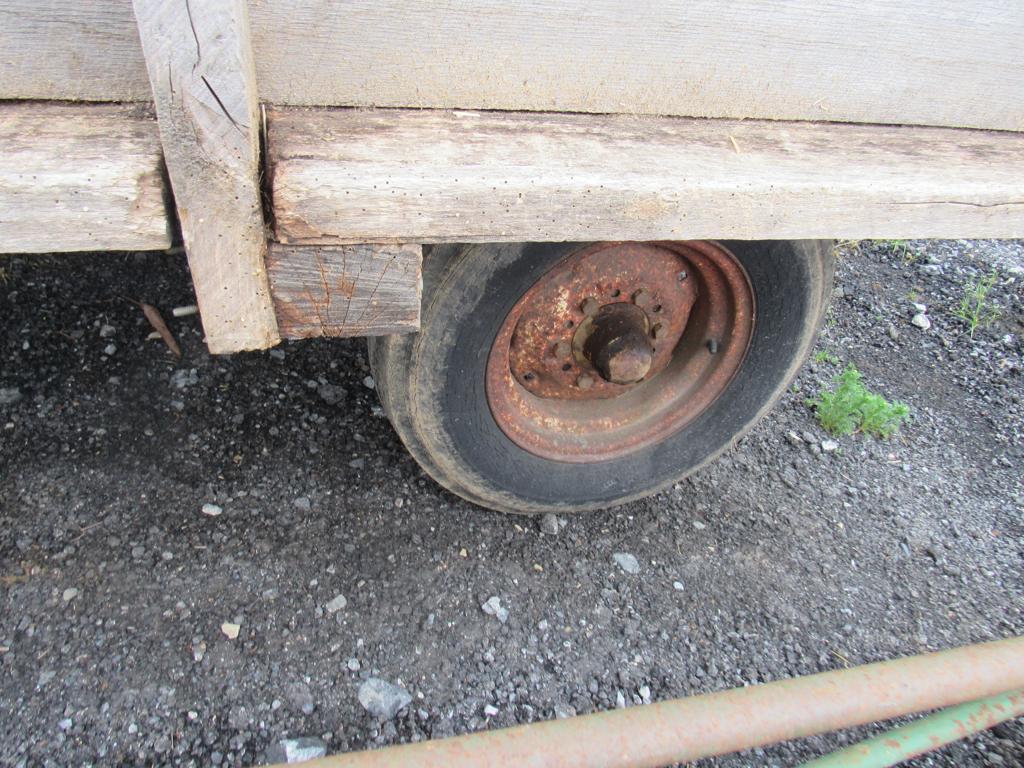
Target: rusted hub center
618,343
618,346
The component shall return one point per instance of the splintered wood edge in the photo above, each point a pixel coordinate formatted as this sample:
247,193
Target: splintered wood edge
347,290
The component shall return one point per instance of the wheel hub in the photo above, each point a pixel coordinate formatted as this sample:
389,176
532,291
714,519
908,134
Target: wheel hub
618,346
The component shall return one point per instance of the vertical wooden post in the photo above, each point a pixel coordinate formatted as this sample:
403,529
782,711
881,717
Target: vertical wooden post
200,64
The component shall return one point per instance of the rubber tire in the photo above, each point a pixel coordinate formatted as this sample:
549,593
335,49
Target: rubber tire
431,384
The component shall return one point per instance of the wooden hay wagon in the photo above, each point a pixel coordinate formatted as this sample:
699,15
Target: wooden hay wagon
625,206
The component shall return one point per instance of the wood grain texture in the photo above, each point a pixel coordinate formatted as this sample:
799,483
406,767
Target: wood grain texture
78,51
80,178
927,62
422,176
201,71
349,290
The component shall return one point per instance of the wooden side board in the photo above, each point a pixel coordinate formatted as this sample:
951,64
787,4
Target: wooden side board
80,178
925,62
421,176
201,71
349,290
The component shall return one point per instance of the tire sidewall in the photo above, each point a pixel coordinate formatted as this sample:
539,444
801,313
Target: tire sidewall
476,289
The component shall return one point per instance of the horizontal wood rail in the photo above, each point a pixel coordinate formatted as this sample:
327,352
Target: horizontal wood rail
922,62
80,178
345,175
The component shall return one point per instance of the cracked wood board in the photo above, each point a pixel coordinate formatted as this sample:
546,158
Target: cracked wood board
201,71
348,290
80,178
343,175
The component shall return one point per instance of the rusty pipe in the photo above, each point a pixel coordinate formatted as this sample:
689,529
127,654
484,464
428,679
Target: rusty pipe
728,721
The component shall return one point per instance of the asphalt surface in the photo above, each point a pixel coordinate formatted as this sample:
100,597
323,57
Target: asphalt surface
150,509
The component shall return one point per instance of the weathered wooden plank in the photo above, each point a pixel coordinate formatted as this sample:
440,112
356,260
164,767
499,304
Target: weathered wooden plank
928,62
420,176
80,178
349,290
201,71
78,51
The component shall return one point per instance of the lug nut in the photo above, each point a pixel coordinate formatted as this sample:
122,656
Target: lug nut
584,381
590,306
641,298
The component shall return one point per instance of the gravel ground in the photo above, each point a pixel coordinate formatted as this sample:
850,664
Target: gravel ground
151,509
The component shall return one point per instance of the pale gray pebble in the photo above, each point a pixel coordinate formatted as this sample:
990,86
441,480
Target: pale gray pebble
369,383
490,711
9,395
212,510
829,445
920,320
563,711
493,607
70,594
106,331
336,604
110,349
303,503
65,724
627,562
353,664
383,699
549,524
296,750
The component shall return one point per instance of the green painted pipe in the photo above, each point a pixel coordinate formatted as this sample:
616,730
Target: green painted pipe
926,734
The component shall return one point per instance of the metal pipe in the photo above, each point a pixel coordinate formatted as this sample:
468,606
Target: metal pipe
728,721
927,734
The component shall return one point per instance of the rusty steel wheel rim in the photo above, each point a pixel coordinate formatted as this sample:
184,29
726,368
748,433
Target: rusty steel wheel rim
618,347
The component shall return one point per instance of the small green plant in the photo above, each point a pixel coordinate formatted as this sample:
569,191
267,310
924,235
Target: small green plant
851,408
900,248
824,356
976,308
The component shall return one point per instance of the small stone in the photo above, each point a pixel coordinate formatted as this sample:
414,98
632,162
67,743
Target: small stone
303,504
70,594
110,349
677,586
9,395
230,630
627,562
700,526
922,308
336,604
493,607
490,711
183,379
543,625
829,445
296,750
45,677
893,333
331,393
106,331
793,438
65,724
357,463
549,524
369,383
353,665
564,711
212,510
920,320
383,699
277,354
